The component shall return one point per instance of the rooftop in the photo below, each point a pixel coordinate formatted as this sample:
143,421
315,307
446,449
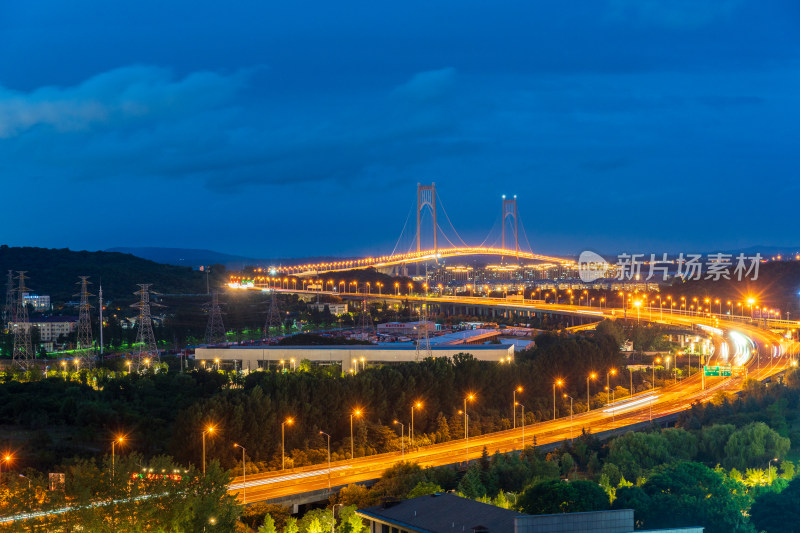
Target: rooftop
443,513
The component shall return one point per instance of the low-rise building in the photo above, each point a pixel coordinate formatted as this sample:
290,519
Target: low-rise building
334,309
40,303
406,328
447,513
51,328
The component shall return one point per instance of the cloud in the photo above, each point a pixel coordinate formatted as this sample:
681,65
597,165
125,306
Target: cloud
116,98
428,85
672,14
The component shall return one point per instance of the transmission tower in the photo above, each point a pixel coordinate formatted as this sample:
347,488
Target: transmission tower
24,355
365,319
273,319
85,345
8,308
423,340
145,338
215,330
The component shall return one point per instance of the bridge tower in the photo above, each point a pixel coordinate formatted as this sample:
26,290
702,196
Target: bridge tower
510,211
426,196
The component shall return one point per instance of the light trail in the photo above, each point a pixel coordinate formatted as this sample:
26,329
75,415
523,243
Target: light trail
627,405
289,477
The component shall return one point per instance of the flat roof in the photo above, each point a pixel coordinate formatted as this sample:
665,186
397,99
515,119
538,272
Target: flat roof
377,347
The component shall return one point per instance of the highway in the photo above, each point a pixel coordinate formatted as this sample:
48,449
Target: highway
624,412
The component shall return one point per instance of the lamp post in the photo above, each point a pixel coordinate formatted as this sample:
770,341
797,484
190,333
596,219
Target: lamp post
588,399
114,442
329,458
769,469
557,383
5,459
470,397
514,404
357,412
402,434
417,405
656,360
523,425
612,372
244,479
209,430
570,415
289,421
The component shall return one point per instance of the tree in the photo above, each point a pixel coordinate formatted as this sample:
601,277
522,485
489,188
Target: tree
291,526
690,494
398,480
635,453
423,488
556,496
471,485
778,513
268,526
753,446
355,495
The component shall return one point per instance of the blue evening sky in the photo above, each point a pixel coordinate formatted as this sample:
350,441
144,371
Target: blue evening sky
277,129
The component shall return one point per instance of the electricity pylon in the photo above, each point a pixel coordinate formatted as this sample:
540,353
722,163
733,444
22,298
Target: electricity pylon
24,356
215,330
84,348
145,338
273,319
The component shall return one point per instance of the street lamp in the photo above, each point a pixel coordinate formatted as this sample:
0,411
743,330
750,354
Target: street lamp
638,304
5,459
523,424
557,383
570,415
470,397
402,434
329,458
289,421
656,360
769,469
612,372
114,442
415,405
357,412
244,479
514,404
210,430
588,399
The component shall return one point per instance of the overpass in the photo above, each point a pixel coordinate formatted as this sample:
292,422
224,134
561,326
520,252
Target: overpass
314,483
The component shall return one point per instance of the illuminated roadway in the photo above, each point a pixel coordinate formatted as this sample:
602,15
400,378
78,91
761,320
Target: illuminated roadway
416,257
643,407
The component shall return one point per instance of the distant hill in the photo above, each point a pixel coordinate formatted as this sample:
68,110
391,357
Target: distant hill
191,257
55,271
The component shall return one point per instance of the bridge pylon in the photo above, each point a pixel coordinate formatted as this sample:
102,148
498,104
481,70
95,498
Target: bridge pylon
426,197
510,211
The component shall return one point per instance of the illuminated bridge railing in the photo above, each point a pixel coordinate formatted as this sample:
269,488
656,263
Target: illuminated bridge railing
414,257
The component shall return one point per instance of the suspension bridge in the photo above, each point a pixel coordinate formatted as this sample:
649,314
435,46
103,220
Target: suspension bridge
434,241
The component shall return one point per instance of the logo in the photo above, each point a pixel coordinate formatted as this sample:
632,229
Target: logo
591,266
